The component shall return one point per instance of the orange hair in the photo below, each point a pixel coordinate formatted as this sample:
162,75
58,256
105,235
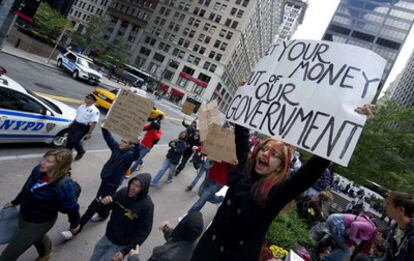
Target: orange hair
263,185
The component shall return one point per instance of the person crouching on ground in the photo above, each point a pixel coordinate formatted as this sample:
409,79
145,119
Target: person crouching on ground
177,148
47,191
180,240
130,222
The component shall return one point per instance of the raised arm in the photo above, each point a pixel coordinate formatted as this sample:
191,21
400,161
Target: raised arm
112,144
302,179
242,144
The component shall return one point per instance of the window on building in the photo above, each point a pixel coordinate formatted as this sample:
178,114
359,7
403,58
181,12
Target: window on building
206,65
168,75
196,47
234,24
159,57
217,44
207,40
174,64
188,70
145,51
217,19
211,54
212,68
228,22
218,57
202,50
229,35
203,77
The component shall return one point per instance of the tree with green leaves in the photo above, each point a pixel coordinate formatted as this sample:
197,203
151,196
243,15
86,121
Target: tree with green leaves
93,37
385,151
118,55
49,21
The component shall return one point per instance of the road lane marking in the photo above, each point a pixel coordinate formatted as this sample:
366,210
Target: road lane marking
77,101
61,98
39,155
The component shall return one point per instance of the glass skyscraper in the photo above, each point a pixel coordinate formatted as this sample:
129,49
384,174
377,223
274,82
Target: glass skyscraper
379,25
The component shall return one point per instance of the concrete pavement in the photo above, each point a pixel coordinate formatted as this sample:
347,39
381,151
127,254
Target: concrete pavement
170,200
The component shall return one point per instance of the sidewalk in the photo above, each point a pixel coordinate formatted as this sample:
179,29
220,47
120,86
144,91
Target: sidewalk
170,200
9,49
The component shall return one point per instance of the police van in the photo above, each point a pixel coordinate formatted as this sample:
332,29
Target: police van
80,66
28,117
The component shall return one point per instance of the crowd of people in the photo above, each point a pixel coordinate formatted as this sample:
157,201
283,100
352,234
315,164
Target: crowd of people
264,177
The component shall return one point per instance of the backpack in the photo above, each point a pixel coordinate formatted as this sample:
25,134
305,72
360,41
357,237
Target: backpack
197,160
77,187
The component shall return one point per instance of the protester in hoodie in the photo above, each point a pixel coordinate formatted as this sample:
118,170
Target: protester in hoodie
205,165
177,148
130,222
112,174
180,240
47,191
193,139
152,136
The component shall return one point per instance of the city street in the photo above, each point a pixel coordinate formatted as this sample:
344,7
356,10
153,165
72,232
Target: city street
54,81
17,160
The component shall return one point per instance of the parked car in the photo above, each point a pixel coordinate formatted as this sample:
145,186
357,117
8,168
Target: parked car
80,66
28,117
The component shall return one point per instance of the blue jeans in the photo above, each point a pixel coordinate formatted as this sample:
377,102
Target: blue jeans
207,192
143,151
200,172
337,228
165,166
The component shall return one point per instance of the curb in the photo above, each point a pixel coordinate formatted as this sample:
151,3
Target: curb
30,60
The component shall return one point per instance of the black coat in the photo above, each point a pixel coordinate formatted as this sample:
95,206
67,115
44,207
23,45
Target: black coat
175,152
180,241
131,218
240,225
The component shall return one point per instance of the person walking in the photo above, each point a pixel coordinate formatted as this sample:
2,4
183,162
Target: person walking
259,188
112,174
177,148
205,165
193,139
130,222
47,191
152,136
87,116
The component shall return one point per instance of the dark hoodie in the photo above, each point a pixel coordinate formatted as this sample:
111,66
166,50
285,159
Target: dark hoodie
131,218
175,152
180,241
406,249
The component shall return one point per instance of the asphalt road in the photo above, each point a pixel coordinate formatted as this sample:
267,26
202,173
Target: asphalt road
54,81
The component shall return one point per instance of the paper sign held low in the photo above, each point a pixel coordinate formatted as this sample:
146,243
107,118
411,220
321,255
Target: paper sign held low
220,144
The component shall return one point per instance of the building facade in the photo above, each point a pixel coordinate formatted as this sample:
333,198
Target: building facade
403,89
82,10
379,25
201,50
293,14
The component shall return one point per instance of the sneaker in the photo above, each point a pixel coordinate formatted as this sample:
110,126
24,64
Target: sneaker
189,188
80,155
169,181
97,218
67,235
44,258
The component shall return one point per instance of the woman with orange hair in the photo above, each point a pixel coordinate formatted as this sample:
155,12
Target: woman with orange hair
259,188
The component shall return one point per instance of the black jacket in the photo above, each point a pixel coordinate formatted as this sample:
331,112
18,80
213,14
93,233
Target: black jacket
131,218
180,240
120,161
175,152
240,225
405,251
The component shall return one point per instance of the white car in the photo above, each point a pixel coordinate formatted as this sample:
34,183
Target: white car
80,66
29,117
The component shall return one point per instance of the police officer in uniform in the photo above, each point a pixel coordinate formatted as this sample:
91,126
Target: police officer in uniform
87,115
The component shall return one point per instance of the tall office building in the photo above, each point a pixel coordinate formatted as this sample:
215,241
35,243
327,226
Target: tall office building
82,10
293,14
201,50
62,6
379,25
403,91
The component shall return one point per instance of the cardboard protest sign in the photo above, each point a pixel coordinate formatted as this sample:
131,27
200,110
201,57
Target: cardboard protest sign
305,93
207,115
220,144
188,108
128,114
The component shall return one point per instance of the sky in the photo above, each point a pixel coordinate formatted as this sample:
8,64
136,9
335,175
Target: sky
319,14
